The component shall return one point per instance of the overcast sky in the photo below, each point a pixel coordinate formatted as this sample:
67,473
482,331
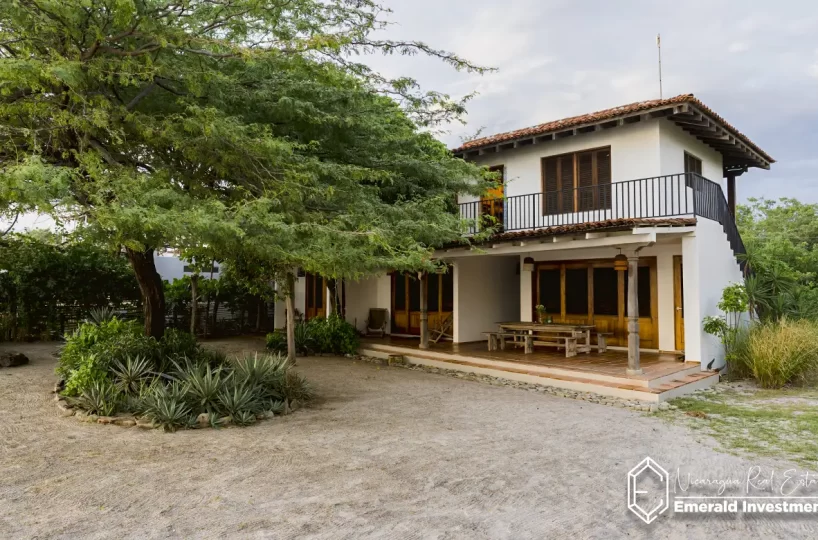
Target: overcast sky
753,62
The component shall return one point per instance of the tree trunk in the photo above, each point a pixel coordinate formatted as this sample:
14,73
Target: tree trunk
194,303
259,305
290,303
153,294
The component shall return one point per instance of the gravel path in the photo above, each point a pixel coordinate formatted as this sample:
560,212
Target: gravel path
385,453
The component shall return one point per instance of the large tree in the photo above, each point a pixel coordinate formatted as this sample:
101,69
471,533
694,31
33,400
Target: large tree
237,126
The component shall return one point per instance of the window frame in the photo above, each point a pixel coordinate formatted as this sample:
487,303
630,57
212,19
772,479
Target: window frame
576,205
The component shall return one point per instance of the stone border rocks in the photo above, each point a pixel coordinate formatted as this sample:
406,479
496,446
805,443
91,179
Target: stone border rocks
590,397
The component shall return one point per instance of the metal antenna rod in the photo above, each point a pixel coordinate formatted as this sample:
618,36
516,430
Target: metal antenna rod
659,47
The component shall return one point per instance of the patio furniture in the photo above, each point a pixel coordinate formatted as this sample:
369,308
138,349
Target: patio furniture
497,340
602,340
444,326
376,322
574,338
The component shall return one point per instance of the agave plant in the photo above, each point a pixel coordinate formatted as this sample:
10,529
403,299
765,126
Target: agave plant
244,418
100,397
132,373
167,408
261,370
203,387
238,397
101,314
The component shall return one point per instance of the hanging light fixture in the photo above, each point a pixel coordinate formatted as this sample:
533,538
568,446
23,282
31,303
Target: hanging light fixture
528,264
620,262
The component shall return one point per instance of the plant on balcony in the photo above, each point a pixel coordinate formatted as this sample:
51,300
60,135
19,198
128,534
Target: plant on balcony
542,313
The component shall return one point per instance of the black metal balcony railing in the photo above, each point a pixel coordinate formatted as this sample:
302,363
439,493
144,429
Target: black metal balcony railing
676,195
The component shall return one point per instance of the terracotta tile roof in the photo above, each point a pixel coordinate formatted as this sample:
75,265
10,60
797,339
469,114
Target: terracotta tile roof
610,224
608,114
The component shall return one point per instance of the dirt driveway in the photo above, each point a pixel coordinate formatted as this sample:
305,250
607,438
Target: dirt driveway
386,453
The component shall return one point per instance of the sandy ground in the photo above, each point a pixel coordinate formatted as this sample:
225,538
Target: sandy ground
385,453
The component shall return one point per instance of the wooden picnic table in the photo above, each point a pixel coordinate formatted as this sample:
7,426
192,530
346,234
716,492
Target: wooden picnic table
540,333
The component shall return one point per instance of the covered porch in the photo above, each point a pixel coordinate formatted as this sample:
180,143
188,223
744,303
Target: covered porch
662,376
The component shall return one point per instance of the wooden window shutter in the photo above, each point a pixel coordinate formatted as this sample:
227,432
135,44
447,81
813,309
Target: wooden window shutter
603,179
550,187
566,178
585,180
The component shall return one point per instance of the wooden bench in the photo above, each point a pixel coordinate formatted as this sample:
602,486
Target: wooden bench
497,340
602,340
567,342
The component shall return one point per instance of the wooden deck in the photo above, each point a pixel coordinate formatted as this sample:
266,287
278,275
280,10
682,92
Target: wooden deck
610,363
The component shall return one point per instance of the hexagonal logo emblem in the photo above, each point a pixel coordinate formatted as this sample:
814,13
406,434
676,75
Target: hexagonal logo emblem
648,490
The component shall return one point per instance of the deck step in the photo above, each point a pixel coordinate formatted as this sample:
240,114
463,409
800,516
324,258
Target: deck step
621,387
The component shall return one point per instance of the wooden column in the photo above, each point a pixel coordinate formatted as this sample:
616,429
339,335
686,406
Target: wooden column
731,193
424,311
634,367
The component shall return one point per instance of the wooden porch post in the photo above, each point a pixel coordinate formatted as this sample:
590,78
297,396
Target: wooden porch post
633,316
731,193
424,311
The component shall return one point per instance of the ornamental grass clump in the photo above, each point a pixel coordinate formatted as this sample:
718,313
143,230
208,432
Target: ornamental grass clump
779,353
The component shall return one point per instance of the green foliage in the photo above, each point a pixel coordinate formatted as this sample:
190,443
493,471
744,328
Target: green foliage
101,314
777,353
167,408
108,370
239,130
277,342
100,397
780,237
734,303
45,272
332,335
93,349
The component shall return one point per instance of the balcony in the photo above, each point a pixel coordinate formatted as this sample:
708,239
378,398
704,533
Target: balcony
676,195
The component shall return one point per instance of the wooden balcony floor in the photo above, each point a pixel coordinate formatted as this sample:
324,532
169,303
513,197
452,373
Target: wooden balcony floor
612,362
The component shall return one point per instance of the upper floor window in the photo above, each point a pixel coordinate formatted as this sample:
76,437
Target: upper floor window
692,164
577,182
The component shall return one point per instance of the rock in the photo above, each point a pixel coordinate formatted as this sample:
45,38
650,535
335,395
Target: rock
92,418
203,420
63,405
67,412
105,420
664,406
59,387
81,415
145,424
13,359
125,422
225,421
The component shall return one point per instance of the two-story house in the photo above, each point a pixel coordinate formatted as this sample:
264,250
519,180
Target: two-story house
621,220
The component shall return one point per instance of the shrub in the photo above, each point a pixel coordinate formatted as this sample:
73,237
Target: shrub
93,348
277,341
178,344
167,408
332,335
779,353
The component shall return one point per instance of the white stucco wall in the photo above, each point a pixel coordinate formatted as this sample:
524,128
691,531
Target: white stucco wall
485,293
674,142
171,267
373,292
709,267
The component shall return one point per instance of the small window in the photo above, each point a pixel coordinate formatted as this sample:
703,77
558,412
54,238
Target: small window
576,291
692,164
549,285
606,291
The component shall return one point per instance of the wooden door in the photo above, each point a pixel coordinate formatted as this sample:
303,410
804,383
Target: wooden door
316,297
678,303
406,301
